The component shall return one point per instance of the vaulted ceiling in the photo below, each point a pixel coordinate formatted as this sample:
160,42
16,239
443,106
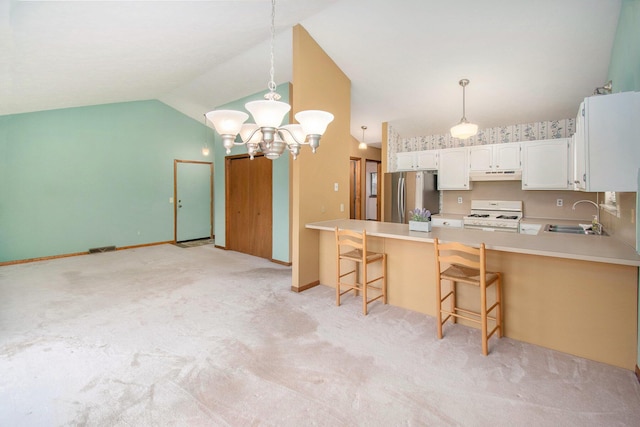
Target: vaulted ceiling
526,60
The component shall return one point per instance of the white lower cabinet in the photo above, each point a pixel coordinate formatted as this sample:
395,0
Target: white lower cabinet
547,165
529,228
446,222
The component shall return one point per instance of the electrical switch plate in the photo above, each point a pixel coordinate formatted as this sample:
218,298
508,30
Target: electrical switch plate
170,199
335,186
559,202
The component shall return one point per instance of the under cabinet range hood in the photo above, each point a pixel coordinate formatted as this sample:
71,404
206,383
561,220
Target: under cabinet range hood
506,175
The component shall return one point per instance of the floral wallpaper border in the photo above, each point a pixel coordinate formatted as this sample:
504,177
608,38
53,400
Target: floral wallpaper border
498,135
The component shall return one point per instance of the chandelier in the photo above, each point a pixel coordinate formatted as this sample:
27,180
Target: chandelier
267,135
464,129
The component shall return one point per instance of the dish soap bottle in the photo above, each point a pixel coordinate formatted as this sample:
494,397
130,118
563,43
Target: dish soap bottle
595,225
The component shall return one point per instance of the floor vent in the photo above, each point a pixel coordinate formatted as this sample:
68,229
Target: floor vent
102,249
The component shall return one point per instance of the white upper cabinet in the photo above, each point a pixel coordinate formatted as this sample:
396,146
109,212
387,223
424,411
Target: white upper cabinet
453,170
607,150
427,160
405,161
547,164
417,160
494,157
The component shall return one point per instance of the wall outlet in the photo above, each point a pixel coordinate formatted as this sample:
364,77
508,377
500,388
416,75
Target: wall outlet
341,207
459,200
559,202
170,199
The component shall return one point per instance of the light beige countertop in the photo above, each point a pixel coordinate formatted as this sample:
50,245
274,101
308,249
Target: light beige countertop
605,249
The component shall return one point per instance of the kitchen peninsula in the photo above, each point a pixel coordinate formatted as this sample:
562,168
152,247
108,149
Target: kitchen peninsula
572,293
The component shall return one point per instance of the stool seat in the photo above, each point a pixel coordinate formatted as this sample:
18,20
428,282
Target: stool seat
458,263
460,273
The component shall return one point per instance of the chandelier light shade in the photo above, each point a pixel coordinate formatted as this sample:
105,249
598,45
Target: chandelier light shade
266,134
464,129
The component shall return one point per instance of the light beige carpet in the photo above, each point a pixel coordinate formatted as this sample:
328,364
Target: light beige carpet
165,336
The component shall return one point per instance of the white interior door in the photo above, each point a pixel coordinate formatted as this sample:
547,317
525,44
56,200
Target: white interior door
194,205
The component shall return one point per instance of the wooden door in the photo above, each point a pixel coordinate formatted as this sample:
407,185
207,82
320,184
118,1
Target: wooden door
249,205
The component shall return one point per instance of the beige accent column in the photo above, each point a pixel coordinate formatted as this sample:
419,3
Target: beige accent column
318,84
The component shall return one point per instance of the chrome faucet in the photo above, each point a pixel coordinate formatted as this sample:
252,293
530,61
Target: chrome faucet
599,230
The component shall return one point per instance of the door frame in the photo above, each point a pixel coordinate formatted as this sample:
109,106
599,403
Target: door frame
175,196
357,187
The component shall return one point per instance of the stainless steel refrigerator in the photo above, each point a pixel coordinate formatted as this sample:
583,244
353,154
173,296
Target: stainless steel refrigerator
405,191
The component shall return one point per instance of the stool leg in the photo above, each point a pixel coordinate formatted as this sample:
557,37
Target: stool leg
364,288
384,278
338,283
483,318
439,306
499,307
453,301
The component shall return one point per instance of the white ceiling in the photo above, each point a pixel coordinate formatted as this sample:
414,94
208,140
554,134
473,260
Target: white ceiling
528,60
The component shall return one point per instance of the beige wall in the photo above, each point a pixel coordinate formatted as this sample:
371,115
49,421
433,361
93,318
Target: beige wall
542,204
318,83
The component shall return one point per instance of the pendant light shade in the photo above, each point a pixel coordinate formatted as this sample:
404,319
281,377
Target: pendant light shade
464,129
362,145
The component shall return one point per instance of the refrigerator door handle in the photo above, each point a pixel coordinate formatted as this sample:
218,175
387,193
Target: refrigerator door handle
402,195
399,198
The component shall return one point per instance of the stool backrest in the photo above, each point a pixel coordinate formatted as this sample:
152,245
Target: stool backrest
457,253
349,240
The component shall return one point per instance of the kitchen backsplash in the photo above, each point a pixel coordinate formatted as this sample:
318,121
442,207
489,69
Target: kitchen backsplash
513,133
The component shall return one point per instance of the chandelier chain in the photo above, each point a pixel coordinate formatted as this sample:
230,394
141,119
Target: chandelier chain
272,83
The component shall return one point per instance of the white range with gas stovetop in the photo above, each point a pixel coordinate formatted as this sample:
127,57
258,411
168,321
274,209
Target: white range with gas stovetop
494,215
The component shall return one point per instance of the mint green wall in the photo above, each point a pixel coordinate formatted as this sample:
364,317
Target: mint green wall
280,177
79,178
624,69
624,72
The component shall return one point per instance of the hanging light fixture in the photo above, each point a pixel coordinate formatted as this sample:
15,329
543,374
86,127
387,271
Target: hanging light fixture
362,145
266,135
464,129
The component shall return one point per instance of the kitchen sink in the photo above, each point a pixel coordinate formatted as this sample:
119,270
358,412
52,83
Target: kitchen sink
572,229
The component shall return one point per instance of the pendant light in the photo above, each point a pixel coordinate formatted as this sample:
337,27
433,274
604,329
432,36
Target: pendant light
266,135
362,145
464,129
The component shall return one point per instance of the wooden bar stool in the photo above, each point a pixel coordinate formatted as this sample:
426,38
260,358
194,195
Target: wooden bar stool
465,264
351,248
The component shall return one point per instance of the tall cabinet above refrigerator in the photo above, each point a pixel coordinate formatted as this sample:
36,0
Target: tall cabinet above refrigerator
405,191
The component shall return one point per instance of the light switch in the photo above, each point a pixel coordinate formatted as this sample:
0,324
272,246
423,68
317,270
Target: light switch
170,199
335,186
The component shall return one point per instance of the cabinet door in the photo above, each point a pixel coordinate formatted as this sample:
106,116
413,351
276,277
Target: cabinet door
506,156
611,127
579,150
453,172
481,157
545,164
405,161
427,160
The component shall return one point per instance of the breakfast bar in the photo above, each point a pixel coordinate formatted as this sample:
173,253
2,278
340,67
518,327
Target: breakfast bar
572,293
